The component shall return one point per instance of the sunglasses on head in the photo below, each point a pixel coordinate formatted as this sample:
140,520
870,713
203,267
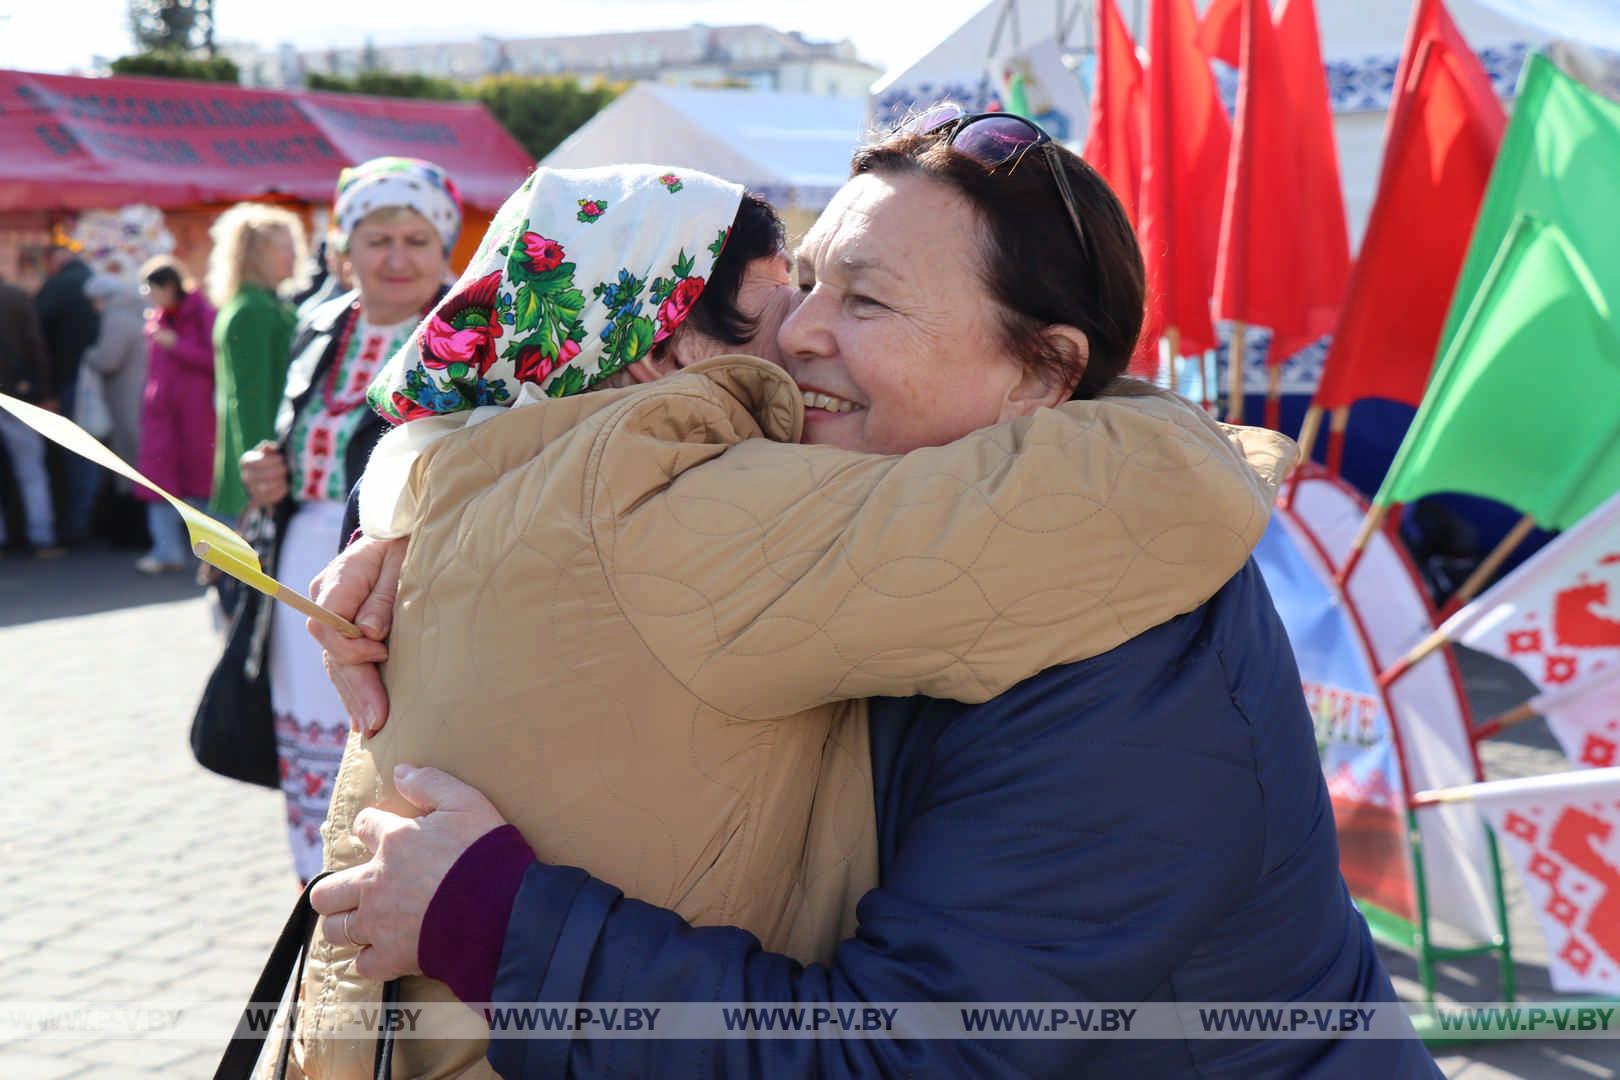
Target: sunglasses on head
994,139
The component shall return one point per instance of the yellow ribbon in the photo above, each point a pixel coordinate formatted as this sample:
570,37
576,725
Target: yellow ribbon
212,542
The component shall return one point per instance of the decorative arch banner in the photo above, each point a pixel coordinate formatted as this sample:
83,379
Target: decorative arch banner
1379,745
1353,736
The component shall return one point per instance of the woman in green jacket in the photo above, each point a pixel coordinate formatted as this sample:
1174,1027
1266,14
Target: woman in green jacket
256,249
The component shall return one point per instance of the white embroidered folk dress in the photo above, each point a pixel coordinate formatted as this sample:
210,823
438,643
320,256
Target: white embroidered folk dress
311,724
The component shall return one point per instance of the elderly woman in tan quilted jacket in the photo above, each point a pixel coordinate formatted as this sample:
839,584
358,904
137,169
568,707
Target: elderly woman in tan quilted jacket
641,620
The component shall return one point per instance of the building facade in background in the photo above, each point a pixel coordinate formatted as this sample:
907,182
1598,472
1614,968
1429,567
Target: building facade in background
751,56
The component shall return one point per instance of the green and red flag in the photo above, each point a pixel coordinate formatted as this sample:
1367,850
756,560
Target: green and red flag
1560,160
1521,408
1522,404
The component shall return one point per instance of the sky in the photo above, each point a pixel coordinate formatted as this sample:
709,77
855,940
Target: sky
64,35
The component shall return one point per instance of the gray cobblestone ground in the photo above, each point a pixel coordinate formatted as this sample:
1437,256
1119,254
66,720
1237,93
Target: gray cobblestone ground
128,874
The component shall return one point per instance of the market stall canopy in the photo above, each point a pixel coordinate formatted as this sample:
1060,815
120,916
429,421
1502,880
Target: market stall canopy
792,148
73,143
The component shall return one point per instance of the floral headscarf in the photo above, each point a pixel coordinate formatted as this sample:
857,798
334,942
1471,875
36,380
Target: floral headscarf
581,273
398,181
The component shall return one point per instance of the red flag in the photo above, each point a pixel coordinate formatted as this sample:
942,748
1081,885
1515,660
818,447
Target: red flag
1259,271
1445,126
1430,19
1114,144
1323,235
1220,35
1183,160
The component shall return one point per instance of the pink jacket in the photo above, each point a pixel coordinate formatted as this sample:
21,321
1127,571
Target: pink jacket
177,413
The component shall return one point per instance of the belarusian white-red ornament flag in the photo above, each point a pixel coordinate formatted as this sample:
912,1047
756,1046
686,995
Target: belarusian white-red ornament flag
1563,834
1557,617
1585,719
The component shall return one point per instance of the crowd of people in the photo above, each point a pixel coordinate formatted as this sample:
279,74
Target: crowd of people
171,377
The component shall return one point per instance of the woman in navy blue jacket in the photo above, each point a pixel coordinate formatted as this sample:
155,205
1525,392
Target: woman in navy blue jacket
1147,826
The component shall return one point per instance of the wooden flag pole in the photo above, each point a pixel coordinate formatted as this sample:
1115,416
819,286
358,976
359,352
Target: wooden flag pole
1308,432
1173,337
1438,796
1234,393
1309,429
223,560
1336,430
310,608
1419,653
1513,717
1274,397
1369,525
1483,573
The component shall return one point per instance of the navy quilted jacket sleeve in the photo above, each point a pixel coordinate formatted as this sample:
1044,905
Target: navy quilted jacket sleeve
1149,825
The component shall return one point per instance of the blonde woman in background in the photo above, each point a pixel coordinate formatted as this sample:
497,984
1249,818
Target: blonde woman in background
256,250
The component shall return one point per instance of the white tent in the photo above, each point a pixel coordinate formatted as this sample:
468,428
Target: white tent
792,148
956,68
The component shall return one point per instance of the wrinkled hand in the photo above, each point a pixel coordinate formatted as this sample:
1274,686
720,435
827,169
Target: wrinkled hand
380,904
264,474
361,585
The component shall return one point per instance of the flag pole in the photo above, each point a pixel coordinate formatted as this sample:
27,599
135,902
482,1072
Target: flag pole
1307,442
1440,796
1206,367
1417,655
1369,525
1483,573
1335,450
1234,393
1513,717
1308,431
1274,397
1173,337
291,597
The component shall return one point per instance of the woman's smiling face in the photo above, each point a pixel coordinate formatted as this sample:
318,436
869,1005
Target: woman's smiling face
895,343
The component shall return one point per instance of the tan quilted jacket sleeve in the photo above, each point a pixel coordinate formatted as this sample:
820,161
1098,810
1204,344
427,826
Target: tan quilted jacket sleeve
778,577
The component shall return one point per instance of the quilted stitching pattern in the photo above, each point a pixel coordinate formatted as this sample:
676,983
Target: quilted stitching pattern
606,639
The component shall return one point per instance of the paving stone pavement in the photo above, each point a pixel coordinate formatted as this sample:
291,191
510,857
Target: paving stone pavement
128,874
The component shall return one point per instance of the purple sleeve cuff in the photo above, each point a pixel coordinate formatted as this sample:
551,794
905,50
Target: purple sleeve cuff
465,925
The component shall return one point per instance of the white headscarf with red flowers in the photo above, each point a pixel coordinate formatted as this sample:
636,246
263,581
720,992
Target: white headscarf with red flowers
581,273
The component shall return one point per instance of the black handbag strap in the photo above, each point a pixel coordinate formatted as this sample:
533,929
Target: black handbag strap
287,957
382,1066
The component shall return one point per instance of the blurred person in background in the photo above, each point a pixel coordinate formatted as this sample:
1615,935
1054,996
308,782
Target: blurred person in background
70,326
113,378
256,251
119,358
397,220
331,278
25,372
177,412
